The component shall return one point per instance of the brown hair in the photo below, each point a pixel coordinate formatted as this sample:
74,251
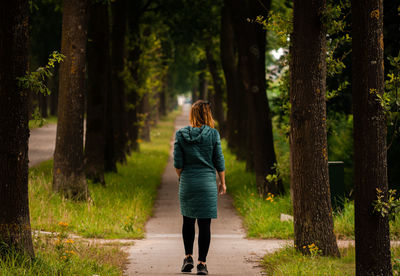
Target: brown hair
200,114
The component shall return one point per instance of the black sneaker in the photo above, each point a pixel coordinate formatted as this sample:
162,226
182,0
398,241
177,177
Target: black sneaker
202,269
187,264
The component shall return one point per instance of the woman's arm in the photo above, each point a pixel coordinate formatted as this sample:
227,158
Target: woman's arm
221,185
178,172
178,156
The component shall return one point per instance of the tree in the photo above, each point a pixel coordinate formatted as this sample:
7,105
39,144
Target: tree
313,222
118,55
203,82
68,175
237,115
15,229
218,93
98,74
228,62
370,169
251,42
44,37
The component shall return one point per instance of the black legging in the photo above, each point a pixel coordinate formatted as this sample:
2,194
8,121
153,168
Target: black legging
204,236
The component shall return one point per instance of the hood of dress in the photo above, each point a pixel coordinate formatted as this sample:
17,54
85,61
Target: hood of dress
195,134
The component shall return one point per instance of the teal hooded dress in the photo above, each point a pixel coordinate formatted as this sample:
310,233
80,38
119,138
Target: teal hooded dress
197,150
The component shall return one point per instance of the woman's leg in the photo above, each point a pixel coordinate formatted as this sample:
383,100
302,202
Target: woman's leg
188,234
204,238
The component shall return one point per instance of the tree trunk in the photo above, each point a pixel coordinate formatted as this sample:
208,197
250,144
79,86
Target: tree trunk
98,73
228,61
163,95
68,176
195,93
251,39
42,99
15,228
203,86
313,222
145,117
134,54
119,11
370,170
237,115
53,86
110,162
218,96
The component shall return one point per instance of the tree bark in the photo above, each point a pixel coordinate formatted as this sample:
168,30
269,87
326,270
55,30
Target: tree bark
134,55
53,86
145,117
98,73
118,54
203,86
218,96
195,93
42,99
370,156
68,176
229,66
163,95
15,229
110,162
313,222
251,41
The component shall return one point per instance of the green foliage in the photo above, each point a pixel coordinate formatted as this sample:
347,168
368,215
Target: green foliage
386,207
118,210
390,99
35,81
38,121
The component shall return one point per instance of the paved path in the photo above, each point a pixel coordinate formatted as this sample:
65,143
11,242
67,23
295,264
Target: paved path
161,252
42,142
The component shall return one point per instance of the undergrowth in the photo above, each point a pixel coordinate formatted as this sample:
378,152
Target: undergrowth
117,210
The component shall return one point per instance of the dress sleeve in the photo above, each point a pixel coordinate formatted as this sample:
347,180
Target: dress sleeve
218,157
178,153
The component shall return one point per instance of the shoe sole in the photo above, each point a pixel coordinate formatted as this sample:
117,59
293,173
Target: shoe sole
202,273
187,268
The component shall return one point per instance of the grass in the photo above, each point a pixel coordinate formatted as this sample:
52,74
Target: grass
72,258
289,261
36,123
261,217
118,210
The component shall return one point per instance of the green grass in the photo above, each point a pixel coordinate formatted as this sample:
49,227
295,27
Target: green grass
262,217
289,261
83,259
36,123
118,210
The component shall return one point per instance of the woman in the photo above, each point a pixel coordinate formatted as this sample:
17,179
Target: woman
197,155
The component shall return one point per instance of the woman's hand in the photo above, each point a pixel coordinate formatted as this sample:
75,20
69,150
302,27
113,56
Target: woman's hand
178,172
221,189
221,185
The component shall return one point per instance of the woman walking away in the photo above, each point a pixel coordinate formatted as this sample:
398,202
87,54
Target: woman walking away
197,155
